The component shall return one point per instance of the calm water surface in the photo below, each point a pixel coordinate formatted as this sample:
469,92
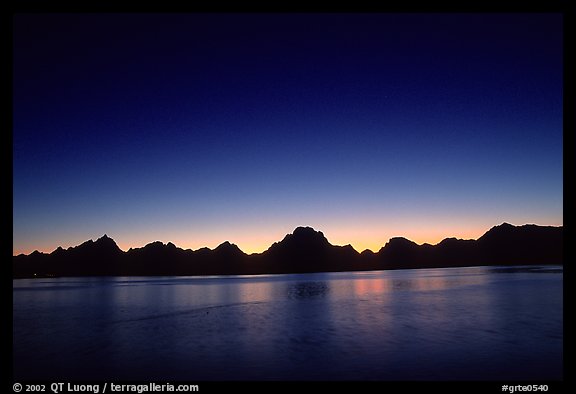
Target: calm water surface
479,323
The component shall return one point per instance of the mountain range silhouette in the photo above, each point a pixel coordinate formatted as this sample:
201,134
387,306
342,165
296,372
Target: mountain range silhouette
305,250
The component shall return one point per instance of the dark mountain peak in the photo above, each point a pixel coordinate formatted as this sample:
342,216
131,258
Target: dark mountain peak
105,240
300,251
506,230
453,243
400,252
171,245
502,227
103,245
83,244
347,250
58,250
400,241
507,244
497,231
226,245
307,232
306,235
348,247
448,241
398,245
102,242
154,245
228,250
302,238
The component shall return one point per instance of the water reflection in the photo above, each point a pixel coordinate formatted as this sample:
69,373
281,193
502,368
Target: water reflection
416,280
472,323
363,287
307,290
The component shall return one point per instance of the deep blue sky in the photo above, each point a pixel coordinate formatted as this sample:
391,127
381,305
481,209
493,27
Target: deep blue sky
201,128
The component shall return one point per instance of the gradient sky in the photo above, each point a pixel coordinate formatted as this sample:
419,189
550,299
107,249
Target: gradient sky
201,128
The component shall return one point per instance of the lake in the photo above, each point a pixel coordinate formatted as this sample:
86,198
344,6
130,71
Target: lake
475,323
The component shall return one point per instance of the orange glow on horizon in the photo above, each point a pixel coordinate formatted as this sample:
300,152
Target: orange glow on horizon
256,240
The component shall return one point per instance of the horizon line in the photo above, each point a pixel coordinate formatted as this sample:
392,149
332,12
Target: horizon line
297,227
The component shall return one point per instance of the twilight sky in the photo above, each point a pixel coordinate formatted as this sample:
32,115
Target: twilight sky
201,128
